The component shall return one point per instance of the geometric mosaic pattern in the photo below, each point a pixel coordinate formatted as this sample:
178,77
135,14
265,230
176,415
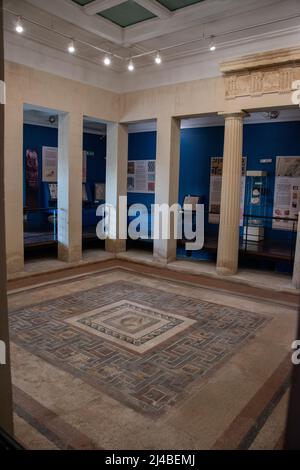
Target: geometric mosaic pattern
96,335
131,325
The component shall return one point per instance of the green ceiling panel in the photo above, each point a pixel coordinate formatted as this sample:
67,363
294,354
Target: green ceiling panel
177,4
127,14
82,2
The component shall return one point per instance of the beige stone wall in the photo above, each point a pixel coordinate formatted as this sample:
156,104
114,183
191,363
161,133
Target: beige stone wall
26,85
198,98
249,83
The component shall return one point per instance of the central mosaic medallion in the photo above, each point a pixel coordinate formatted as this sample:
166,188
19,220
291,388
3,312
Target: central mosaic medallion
132,325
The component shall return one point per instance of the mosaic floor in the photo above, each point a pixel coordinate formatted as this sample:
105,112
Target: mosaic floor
117,337
146,345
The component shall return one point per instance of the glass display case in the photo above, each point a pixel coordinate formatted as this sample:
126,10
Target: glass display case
255,205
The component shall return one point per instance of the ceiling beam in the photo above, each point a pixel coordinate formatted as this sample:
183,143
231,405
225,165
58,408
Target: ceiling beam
70,12
195,15
156,8
100,5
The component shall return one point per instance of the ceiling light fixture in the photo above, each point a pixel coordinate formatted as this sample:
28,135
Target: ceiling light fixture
107,60
158,59
212,46
19,26
131,66
71,48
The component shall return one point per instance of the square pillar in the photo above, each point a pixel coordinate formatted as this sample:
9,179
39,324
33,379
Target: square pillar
14,199
69,202
229,229
116,181
6,414
167,180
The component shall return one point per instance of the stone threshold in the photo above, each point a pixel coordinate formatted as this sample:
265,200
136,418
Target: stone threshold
274,288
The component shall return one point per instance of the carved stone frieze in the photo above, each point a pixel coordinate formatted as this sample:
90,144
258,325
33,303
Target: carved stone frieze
256,75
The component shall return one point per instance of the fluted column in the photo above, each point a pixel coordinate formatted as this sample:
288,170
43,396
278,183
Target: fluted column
296,272
228,244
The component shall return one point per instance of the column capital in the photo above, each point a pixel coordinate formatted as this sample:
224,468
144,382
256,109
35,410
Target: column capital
232,115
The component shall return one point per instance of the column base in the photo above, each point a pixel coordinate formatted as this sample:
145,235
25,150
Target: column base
68,255
165,251
223,271
115,246
162,259
15,264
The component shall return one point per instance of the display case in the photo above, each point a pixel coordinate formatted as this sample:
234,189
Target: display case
255,206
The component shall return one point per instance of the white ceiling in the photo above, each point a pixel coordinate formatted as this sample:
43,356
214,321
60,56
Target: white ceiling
239,27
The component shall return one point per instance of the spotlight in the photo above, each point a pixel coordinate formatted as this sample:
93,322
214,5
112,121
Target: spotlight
71,48
52,119
158,59
107,60
212,46
19,26
131,66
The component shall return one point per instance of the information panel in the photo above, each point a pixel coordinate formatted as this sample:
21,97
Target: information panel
141,176
287,192
49,156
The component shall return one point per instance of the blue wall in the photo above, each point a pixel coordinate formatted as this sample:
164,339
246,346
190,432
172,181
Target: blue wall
198,145
96,165
37,137
141,146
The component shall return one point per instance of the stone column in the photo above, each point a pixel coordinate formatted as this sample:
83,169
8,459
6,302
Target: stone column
296,272
116,182
228,244
167,180
69,203
6,421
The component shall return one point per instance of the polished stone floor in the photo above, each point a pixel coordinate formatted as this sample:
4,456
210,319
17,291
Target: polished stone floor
118,359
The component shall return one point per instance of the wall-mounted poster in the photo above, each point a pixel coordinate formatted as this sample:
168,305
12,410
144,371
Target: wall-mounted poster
287,192
32,178
49,156
216,188
141,176
99,191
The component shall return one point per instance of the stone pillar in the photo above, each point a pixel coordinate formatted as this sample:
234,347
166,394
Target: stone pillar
296,272
6,421
167,180
228,244
14,199
69,203
116,181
